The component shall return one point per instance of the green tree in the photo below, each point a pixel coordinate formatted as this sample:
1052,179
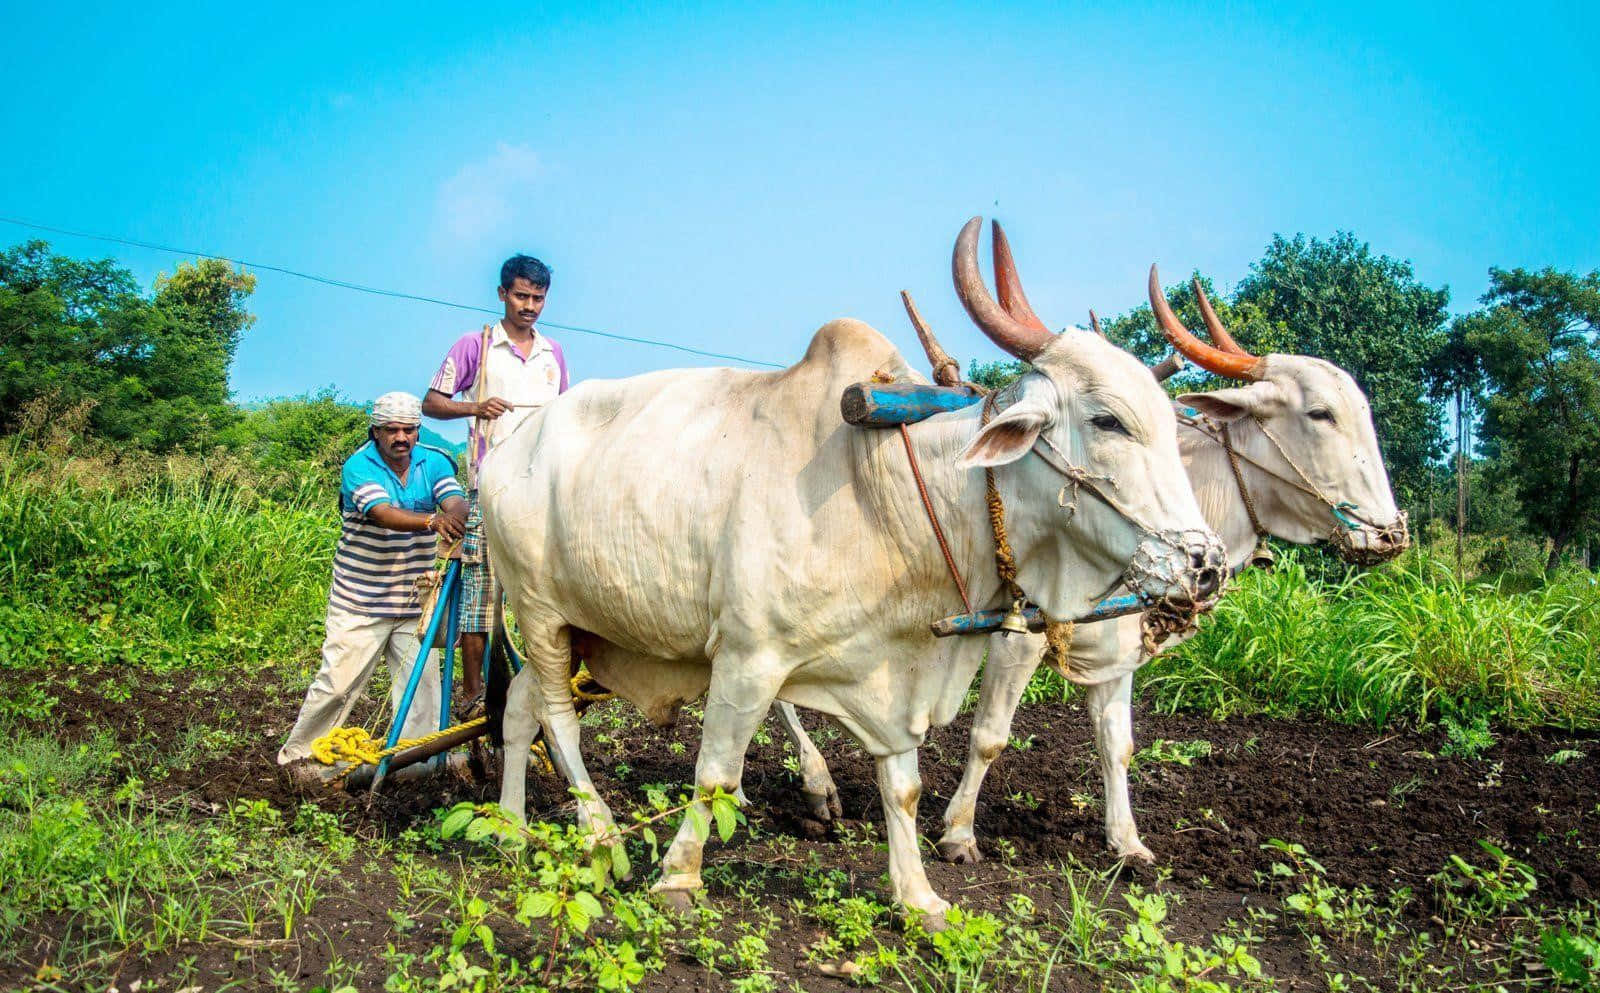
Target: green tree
1535,341
1367,313
997,374
299,443
155,368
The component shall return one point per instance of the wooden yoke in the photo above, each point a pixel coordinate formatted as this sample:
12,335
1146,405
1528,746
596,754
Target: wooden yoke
888,405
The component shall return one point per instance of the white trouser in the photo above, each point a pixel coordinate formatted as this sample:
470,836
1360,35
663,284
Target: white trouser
354,645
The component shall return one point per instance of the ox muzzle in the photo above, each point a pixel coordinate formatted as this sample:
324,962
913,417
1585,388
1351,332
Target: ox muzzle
1359,541
1183,569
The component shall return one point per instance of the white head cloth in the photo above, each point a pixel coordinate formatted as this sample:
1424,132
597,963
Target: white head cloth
396,408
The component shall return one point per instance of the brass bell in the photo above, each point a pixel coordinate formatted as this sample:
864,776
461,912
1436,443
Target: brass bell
1261,557
1015,622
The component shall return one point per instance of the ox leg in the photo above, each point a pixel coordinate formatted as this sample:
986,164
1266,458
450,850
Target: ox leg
821,795
1011,663
741,692
900,785
1112,713
541,692
518,727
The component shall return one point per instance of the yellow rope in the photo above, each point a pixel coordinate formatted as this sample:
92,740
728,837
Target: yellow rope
1058,639
358,745
581,684
537,750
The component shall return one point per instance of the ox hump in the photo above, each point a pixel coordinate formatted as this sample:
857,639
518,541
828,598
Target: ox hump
850,342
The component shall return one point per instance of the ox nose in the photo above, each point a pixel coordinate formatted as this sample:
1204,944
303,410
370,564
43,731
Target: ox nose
1187,569
1208,574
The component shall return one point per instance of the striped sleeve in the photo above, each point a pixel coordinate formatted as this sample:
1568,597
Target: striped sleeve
360,486
446,488
459,370
367,496
440,470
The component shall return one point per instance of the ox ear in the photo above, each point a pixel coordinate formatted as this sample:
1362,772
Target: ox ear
1261,399
1009,436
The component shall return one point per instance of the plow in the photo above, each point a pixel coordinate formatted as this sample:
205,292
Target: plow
357,762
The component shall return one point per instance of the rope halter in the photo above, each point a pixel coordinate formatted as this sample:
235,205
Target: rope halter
1163,558
1347,516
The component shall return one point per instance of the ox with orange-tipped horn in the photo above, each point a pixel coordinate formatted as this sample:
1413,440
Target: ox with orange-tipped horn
1233,364
1214,328
1021,338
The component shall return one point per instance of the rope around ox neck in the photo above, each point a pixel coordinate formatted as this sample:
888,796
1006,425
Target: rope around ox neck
1057,634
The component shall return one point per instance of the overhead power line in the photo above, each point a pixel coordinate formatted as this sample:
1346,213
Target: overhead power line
378,291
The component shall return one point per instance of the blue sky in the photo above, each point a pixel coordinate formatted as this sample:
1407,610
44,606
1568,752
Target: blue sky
731,177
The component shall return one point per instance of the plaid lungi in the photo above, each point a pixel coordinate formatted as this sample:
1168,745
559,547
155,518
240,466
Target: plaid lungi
479,591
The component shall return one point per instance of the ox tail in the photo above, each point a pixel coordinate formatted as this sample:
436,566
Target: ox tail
497,680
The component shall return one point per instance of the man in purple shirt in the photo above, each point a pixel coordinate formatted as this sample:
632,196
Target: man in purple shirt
506,371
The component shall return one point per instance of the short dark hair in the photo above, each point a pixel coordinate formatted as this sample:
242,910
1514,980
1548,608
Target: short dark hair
526,267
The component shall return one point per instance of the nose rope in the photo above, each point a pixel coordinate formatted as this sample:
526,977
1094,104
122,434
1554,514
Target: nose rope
1347,515
1262,553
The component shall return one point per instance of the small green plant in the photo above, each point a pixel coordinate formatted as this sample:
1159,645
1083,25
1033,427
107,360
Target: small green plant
1472,892
565,880
1178,752
1024,799
325,828
1399,792
1572,958
1469,739
1157,964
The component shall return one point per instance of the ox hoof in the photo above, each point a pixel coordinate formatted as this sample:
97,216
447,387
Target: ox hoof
824,806
931,919
680,902
1134,851
963,852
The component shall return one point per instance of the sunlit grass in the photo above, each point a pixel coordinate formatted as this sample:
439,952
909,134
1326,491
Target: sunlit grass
1411,641
154,563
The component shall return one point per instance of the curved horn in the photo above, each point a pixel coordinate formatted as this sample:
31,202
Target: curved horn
1094,323
1205,356
1010,334
1219,334
1008,285
946,370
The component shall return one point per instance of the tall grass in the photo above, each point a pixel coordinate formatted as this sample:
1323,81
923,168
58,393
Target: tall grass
162,563
169,563
1411,642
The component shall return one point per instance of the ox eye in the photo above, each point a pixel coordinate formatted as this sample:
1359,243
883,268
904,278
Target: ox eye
1108,422
1321,414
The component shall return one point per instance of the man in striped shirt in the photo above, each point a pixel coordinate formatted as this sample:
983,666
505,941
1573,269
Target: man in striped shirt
398,498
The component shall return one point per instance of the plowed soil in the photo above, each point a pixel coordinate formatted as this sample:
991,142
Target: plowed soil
1381,808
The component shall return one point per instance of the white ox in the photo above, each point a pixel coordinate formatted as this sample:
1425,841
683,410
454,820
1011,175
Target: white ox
724,532
1309,460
